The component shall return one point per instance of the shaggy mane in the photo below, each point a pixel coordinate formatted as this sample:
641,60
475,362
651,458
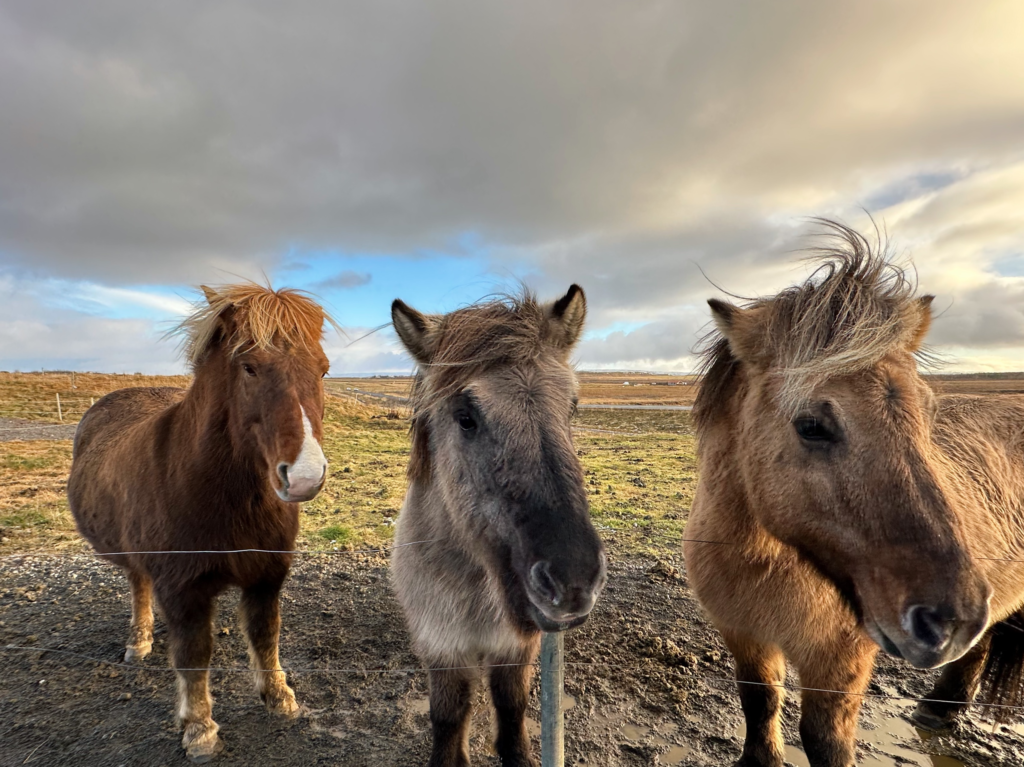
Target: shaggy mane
854,309
507,330
264,318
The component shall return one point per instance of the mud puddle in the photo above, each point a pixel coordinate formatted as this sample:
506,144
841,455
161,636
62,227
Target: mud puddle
889,739
662,737
484,726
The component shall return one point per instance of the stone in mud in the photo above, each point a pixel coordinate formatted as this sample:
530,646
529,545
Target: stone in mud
662,571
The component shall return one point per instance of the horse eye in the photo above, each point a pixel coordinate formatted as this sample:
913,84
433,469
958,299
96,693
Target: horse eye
249,369
811,429
466,422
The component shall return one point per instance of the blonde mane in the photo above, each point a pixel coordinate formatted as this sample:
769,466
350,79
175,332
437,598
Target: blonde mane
263,318
857,307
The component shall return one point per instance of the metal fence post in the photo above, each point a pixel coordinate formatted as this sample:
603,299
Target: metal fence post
552,678
60,413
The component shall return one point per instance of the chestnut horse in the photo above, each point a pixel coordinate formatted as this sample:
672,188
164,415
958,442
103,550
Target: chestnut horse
862,510
221,466
494,542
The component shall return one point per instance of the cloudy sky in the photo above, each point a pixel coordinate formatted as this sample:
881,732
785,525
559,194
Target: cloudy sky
440,151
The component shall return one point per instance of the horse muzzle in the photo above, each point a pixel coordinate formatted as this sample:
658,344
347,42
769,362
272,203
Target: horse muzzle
931,635
557,604
298,486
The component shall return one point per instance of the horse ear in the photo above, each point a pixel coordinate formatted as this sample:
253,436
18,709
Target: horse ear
923,321
723,313
417,331
210,293
566,317
740,329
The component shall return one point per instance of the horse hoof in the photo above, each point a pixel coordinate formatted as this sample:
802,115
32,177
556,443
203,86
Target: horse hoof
283,705
749,761
523,761
927,719
201,742
137,652
201,753
518,756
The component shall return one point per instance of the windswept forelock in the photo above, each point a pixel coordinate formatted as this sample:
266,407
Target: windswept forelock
508,330
857,307
263,318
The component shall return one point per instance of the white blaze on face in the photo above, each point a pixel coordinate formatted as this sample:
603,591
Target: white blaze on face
306,475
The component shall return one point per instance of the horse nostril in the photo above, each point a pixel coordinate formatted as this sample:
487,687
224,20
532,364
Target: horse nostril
928,625
282,472
544,584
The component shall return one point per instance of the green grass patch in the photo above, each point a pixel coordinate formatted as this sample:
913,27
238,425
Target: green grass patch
26,517
337,534
28,463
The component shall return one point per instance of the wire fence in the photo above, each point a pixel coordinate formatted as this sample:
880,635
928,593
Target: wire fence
404,671
58,406
410,670
320,552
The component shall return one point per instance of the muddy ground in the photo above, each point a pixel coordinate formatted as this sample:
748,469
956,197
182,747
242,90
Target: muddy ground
642,679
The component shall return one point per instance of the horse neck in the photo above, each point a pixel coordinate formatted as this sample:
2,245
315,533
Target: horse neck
732,518
430,519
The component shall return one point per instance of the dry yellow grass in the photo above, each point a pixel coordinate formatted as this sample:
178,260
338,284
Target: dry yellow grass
998,383
33,503
33,396
595,388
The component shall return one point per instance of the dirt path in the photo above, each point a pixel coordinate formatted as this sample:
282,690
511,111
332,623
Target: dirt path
12,429
641,675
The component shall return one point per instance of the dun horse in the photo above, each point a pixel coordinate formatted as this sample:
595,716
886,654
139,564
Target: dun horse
861,510
221,466
494,542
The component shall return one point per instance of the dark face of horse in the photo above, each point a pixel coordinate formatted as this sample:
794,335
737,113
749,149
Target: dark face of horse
502,457
276,405
506,464
853,481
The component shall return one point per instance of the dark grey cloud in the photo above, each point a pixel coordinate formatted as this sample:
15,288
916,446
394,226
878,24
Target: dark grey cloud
144,141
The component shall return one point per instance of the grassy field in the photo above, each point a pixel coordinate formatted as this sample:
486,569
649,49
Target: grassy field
656,389
595,388
33,396
640,469
640,465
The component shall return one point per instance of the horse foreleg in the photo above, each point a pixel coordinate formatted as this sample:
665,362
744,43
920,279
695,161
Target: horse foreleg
190,625
450,693
760,672
140,637
833,679
261,620
510,692
957,686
